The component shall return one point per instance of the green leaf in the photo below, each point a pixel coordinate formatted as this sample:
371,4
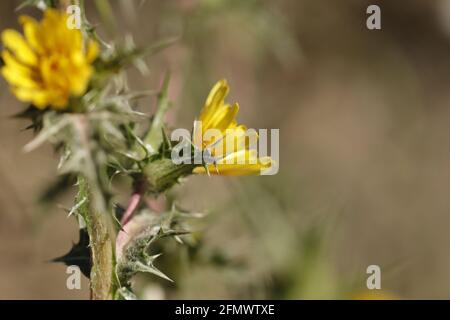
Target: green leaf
150,268
154,136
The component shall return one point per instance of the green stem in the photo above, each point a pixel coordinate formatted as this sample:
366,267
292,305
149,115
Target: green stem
101,245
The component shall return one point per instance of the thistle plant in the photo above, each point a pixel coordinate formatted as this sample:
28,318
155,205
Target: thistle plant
74,85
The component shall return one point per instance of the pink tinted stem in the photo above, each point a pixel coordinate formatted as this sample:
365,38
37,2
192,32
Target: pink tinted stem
134,202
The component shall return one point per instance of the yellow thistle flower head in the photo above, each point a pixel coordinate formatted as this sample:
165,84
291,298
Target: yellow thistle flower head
230,145
50,63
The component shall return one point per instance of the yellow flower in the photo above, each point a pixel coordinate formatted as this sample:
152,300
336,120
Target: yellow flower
239,158
50,63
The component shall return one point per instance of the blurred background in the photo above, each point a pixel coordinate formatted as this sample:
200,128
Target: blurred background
364,151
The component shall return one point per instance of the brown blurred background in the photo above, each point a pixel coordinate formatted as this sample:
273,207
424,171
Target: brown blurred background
364,148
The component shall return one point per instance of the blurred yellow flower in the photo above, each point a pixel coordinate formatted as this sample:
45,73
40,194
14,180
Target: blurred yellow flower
50,64
240,158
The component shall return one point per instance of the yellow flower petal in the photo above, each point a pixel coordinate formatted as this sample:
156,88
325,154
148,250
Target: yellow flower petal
242,162
92,51
215,100
14,41
234,139
17,78
39,98
231,169
31,31
11,62
240,157
78,85
222,118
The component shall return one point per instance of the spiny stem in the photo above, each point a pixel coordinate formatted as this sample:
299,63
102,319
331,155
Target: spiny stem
101,245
